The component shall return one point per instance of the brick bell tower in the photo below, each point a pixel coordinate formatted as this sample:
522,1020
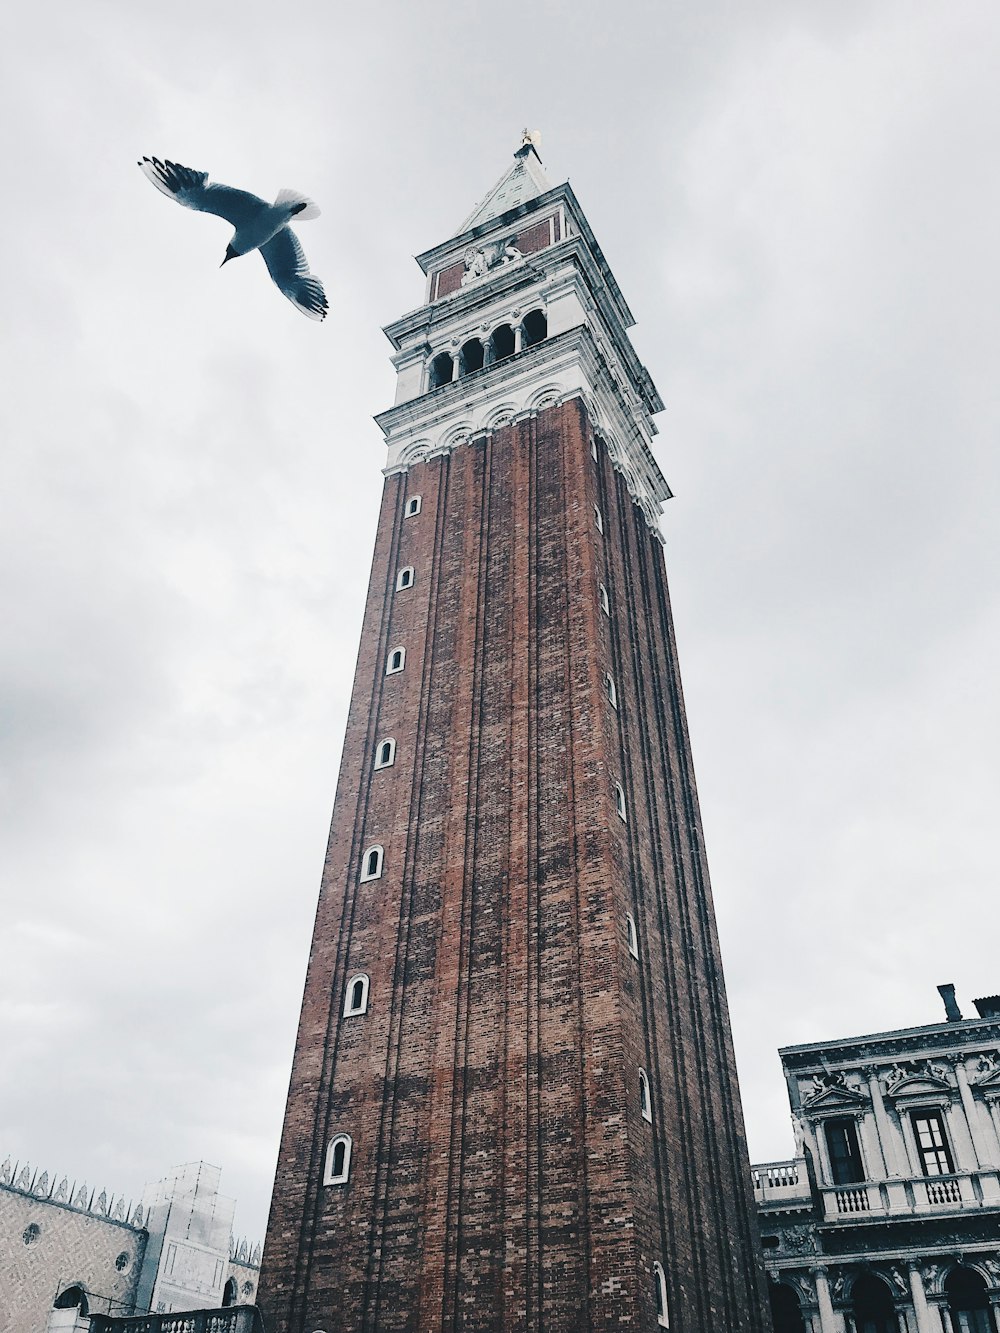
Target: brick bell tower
513,1103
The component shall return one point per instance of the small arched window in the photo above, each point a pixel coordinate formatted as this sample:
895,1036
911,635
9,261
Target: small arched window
442,370
356,1000
385,753
404,579
72,1298
412,506
593,450
611,689
471,357
632,934
620,802
395,661
660,1295
645,1104
602,593
338,1161
534,328
371,863
229,1292
598,519
502,342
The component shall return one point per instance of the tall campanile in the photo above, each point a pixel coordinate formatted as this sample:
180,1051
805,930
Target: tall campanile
513,1102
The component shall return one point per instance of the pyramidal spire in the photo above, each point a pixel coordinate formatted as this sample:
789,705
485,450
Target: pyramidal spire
524,179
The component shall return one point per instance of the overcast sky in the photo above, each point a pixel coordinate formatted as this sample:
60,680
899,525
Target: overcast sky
800,202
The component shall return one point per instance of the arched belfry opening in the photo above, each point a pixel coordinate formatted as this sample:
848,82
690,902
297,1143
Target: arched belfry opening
442,370
471,357
534,328
786,1311
872,1305
502,342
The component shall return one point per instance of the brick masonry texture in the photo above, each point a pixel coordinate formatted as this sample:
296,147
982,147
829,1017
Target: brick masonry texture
503,1177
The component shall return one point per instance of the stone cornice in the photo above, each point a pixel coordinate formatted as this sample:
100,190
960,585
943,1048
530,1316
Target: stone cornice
942,1039
568,365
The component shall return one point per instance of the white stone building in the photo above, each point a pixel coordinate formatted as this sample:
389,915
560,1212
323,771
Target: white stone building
67,1252
887,1219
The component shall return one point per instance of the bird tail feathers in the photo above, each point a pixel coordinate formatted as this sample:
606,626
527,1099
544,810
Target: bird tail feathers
301,206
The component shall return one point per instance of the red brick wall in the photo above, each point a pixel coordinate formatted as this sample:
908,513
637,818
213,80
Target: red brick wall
502,1176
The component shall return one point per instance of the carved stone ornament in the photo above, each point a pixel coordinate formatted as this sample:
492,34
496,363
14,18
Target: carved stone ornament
799,1242
480,259
915,1071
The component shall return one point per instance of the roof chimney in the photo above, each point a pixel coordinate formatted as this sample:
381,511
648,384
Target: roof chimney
988,1006
951,1009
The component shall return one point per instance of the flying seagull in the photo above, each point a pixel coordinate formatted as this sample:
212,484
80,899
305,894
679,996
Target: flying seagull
259,226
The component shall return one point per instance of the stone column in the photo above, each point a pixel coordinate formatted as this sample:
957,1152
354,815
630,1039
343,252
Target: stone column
886,1129
920,1307
828,1321
518,336
983,1155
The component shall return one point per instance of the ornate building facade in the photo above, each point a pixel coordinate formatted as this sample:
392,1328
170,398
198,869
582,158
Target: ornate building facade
513,1102
887,1220
69,1251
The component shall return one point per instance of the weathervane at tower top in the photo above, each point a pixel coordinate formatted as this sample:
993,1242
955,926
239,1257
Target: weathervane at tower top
531,139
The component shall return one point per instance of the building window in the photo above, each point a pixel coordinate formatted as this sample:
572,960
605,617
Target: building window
645,1105
660,1295
442,370
395,661
230,1291
632,935
338,1161
602,593
968,1301
593,450
610,688
31,1233
534,328
872,1305
846,1166
471,357
404,579
72,1298
357,995
928,1130
371,864
502,343
598,519
412,506
385,753
620,802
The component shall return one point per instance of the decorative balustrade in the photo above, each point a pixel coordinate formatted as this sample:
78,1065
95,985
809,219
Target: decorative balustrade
233,1319
781,1182
852,1200
946,1190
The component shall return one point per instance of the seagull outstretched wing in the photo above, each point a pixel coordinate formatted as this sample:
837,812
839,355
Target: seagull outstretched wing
287,265
191,189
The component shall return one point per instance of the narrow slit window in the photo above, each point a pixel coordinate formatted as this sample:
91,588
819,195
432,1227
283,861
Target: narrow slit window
645,1105
357,995
404,579
385,753
611,688
371,863
338,1161
662,1317
593,450
598,519
632,935
395,661
620,802
602,593
412,506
